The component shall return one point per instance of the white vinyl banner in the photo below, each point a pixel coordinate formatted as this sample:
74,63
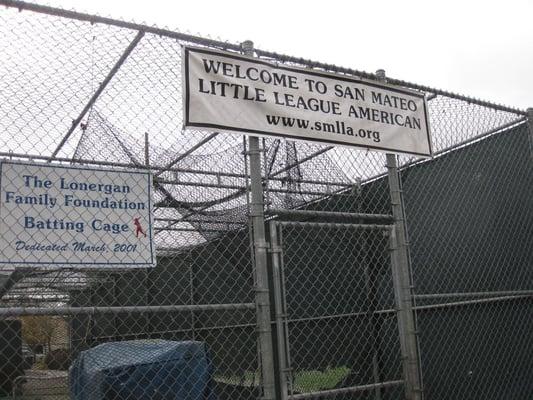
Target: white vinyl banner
65,216
241,94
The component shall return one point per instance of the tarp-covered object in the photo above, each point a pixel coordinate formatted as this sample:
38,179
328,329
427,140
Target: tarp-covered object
143,369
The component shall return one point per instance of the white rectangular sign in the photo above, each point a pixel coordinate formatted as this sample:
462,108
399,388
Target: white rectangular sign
65,216
236,93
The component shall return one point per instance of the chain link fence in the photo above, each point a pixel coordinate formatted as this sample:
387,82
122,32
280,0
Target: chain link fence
284,269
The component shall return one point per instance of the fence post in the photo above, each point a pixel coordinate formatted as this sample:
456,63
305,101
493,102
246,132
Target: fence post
277,278
530,127
402,281
262,297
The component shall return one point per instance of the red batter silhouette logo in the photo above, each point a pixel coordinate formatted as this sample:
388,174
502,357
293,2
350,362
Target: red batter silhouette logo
138,228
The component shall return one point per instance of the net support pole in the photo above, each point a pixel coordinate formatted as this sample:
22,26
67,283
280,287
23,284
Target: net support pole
402,282
260,246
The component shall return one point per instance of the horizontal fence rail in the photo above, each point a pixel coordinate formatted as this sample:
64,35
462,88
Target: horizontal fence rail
19,311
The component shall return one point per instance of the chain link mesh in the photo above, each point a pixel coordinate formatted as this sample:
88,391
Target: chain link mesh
92,94
339,307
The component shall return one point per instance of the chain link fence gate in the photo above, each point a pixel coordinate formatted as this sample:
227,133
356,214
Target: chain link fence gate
367,280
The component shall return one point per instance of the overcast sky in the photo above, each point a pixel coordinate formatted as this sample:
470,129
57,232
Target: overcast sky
483,49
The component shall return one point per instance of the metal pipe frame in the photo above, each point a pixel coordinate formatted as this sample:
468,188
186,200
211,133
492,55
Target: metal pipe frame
191,213
279,310
401,272
430,307
58,12
353,389
20,311
235,187
337,225
281,322
402,289
530,128
187,153
329,214
98,92
197,230
219,221
300,162
283,289
474,294
370,317
219,185
360,314
262,296
23,296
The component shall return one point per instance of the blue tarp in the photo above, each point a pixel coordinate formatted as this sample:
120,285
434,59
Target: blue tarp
143,369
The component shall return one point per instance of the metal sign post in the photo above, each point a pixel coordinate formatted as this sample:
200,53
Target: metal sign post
260,260
402,281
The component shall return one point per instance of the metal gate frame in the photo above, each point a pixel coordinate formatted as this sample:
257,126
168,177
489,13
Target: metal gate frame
280,305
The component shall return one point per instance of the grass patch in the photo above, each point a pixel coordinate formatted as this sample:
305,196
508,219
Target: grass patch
304,381
250,378
312,381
